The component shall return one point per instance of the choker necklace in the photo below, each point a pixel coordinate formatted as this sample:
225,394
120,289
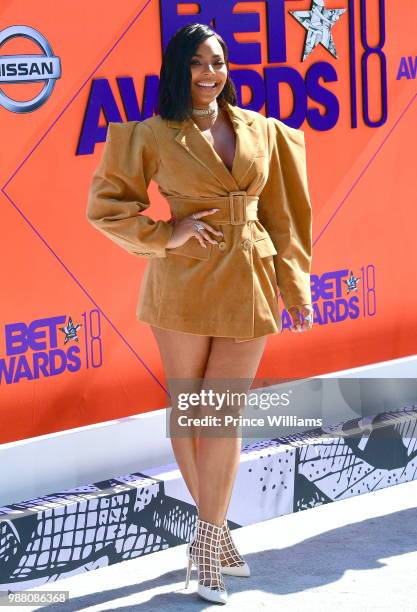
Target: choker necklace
210,111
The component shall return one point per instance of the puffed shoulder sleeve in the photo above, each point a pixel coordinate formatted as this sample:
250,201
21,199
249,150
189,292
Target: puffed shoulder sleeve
118,191
284,209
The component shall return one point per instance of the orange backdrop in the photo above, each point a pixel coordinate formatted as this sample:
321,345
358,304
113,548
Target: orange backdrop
71,351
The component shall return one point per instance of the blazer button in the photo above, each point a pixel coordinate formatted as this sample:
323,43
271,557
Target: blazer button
246,244
221,245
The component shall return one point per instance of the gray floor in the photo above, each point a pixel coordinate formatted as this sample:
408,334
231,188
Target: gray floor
354,554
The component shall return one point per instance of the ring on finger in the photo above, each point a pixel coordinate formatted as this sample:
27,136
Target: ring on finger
199,227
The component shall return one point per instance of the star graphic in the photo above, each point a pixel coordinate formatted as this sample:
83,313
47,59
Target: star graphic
352,282
318,22
70,331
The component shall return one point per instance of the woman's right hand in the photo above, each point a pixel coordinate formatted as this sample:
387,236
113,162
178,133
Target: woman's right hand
185,228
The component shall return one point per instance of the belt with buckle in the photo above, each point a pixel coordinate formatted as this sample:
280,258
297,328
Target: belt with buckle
235,208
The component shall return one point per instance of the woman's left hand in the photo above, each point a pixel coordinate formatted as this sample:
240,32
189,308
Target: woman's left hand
299,311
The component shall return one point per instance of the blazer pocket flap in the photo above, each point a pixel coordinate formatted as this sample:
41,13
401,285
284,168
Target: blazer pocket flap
192,248
265,246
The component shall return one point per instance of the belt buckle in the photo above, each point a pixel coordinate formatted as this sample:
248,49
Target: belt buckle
237,219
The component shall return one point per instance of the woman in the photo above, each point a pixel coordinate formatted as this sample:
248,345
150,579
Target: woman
240,228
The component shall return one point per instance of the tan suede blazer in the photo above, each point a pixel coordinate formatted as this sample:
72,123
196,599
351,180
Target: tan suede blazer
229,288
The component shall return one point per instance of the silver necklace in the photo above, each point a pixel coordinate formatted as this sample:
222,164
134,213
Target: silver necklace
210,111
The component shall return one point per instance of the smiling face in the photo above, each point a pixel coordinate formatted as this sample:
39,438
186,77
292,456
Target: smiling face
208,72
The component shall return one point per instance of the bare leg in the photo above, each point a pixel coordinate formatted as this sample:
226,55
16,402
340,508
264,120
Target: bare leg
218,457
183,356
208,465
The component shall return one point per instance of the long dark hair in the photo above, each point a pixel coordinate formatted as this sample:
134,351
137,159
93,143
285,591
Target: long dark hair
174,94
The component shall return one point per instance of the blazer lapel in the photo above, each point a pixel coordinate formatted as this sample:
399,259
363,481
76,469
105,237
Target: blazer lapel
192,140
247,143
